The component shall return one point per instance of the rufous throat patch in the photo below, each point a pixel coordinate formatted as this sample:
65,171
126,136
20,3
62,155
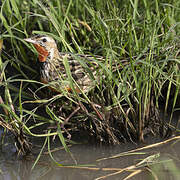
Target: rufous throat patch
43,53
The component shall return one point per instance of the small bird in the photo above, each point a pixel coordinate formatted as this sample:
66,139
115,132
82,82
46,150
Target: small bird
52,68
84,68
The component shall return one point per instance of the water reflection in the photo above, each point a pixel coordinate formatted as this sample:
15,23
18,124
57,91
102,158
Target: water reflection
12,167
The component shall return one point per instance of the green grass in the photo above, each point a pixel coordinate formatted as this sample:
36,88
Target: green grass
143,33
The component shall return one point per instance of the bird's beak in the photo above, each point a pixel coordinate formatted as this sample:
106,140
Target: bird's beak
30,41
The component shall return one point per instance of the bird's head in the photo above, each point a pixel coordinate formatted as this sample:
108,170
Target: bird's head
45,45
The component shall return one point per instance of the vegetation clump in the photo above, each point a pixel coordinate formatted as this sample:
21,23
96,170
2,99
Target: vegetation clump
139,41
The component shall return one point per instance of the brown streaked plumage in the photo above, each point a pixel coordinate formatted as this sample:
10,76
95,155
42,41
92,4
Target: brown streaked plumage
52,65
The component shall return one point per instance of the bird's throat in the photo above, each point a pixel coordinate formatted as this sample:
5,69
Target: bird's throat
43,53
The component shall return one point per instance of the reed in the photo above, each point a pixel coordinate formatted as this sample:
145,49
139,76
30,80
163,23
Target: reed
126,100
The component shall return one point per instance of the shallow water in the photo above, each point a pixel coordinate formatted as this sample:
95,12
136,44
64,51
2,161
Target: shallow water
12,167
167,166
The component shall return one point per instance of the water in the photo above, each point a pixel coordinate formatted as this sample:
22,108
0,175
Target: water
87,155
12,168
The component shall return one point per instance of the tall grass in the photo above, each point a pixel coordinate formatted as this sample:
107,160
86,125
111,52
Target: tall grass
144,34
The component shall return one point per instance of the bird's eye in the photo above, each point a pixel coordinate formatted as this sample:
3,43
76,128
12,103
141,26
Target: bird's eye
44,40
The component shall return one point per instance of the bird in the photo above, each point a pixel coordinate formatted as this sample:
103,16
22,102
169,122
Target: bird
85,70
52,68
